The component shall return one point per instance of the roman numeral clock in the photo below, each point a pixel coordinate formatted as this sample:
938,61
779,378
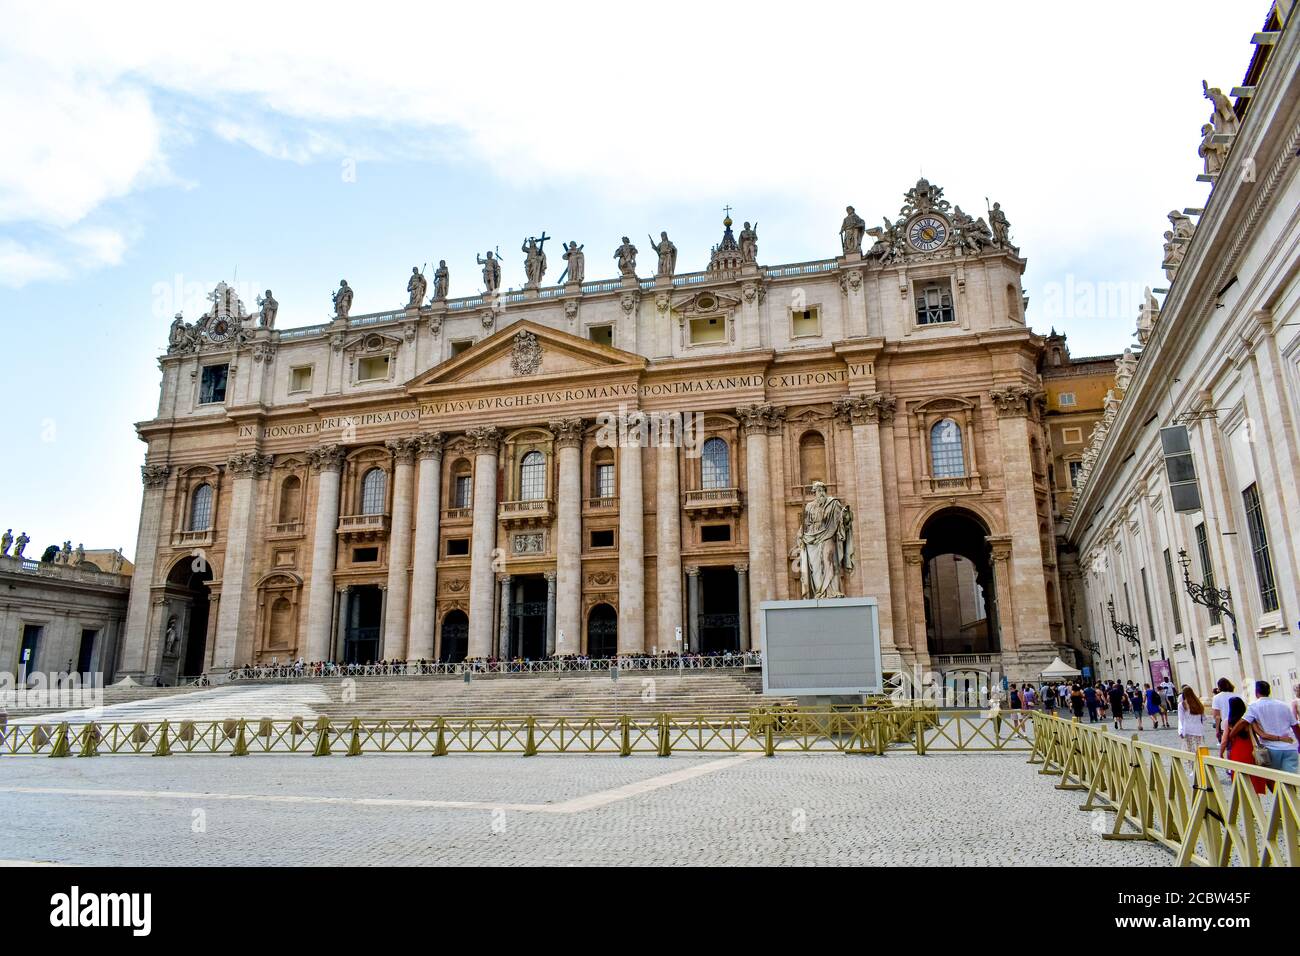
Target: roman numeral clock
927,233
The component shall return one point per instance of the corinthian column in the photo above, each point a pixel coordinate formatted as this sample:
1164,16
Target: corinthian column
396,610
424,572
631,544
327,462
668,548
487,443
755,421
136,637
248,468
568,535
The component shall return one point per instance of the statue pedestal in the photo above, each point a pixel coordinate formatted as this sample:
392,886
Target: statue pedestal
852,258
530,292
663,282
630,282
572,288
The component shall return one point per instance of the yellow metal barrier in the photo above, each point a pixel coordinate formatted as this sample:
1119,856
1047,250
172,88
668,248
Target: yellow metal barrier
1202,808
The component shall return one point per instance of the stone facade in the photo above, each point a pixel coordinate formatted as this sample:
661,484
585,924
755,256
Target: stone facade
520,473
1221,358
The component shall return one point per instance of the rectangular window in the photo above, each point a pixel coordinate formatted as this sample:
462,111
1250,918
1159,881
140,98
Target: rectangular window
212,386
601,334
1173,593
711,533
461,346
807,322
1076,468
1259,549
708,329
605,481
457,547
1072,436
1180,468
602,539
1065,398
934,304
372,368
364,555
1207,569
463,492
300,378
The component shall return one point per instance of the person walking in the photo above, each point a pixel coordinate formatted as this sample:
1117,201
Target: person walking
1238,742
1077,702
1275,727
1219,705
1154,710
1117,702
1135,702
1090,699
1191,720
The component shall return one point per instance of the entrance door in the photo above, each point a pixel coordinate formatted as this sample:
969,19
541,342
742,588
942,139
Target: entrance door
86,652
528,619
361,640
454,646
602,632
719,611
27,655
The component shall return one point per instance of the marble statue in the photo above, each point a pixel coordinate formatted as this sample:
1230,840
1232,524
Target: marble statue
888,244
178,335
667,253
269,309
749,243
1148,315
343,299
65,555
576,261
1000,225
1224,116
6,542
416,286
626,256
116,561
491,272
171,638
534,258
1214,154
78,555
1183,225
825,551
441,279
20,543
852,229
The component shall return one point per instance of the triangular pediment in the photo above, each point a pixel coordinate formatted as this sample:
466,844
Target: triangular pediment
525,351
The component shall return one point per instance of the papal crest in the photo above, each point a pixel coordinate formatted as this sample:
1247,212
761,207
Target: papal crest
527,355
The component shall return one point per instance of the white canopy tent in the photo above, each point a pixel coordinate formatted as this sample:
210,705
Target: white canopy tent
1058,668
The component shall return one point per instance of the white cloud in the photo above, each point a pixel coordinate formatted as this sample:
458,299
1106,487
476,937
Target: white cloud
20,265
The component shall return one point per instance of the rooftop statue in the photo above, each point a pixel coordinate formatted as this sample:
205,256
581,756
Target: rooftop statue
1000,225
852,229
626,256
491,272
415,286
6,542
342,299
575,262
749,243
20,543
667,253
535,258
269,309
441,278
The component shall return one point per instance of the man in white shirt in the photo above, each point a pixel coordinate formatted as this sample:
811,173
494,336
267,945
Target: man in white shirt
1219,704
1276,728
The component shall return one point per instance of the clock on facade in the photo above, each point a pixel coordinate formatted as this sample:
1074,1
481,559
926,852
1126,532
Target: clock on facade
927,233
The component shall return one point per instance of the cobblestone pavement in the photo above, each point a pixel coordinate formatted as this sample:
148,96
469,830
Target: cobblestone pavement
382,810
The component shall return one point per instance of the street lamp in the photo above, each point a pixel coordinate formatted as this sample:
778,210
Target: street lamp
1207,595
1127,631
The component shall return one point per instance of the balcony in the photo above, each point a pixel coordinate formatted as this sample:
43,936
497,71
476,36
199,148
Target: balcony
285,529
194,539
710,502
533,513
606,503
457,514
799,494
363,527
961,484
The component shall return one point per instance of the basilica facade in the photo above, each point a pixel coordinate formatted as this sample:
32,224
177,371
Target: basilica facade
617,466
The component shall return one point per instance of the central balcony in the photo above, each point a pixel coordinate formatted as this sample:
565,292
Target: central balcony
713,501
363,527
532,513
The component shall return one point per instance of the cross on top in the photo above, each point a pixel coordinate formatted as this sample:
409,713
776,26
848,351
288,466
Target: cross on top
727,211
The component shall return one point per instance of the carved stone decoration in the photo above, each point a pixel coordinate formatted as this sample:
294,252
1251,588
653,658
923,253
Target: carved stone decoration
1125,369
403,449
489,319
825,549
760,418
601,579
663,302
263,351
325,458
629,301
876,408
526,353
748,242
532,542
850,281
250,465
430,444
534,250
1001,227
1013,401
154,476
1148,316
485,438
568,432
456,585
571,311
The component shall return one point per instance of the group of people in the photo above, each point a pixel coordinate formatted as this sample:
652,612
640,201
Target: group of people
1101,700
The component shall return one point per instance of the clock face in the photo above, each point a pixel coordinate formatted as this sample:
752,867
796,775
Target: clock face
219,330
927,233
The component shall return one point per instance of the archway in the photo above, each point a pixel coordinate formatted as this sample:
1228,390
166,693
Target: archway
454,645
528,618
958,585
184,644
602,632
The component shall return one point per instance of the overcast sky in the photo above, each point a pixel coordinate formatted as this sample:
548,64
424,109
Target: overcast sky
152,148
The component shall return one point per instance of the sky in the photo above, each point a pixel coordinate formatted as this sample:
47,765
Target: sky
155,149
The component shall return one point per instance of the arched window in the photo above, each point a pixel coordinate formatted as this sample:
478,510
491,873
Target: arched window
290,499
532,477
946,458
373,488
812,458
201,508
716,464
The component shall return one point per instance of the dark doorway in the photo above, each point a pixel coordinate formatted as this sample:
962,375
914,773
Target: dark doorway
957,581
454,646
187,581
719,611
528,618
602,632
27,656
86,651
361,637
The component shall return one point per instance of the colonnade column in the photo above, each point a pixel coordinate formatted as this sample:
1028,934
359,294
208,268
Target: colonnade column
631,546
327,463
693,610
550,612
247,468
424,570
668,548
742,605
397,609
503,621
565,611
136,637
756,420
487,442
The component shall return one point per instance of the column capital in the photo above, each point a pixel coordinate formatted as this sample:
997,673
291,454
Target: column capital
912,551
1000,546
740,568
326,458
486,439
430,444
503,579
692,570
1016,401
760,418
154,476
568,432
549,576
875,408
249,465
403,449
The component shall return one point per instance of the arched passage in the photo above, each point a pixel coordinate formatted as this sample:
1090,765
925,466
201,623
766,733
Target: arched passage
602,632
184,635
959,589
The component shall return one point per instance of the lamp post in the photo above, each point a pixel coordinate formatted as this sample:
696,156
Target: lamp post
1207,595
1127,631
